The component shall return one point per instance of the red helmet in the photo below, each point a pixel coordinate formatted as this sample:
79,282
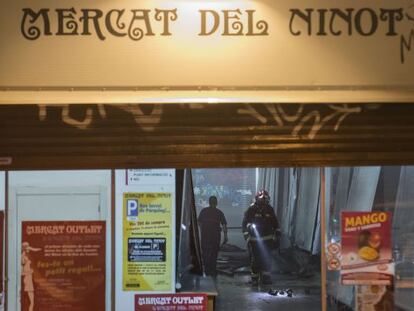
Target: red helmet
262,196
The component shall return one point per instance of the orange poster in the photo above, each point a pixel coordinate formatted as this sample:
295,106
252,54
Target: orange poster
63,265
366,248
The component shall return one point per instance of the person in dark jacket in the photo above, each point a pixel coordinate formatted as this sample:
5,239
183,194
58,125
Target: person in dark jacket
211,221
261,231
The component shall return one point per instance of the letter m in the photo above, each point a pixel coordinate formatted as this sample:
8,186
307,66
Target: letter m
406,45
30,31
349,222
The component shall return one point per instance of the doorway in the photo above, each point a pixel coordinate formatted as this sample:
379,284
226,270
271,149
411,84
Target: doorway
294,196
56,194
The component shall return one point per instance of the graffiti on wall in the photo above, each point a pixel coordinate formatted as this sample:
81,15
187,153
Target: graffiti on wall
302,121
300,118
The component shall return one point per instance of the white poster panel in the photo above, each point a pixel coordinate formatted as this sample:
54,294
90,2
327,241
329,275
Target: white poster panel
149,188
185,45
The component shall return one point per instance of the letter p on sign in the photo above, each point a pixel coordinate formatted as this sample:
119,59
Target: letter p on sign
132,209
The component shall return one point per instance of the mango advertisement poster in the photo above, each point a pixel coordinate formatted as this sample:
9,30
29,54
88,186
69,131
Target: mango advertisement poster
147,243
366,248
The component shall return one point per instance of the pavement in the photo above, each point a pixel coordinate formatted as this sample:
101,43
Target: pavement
235,292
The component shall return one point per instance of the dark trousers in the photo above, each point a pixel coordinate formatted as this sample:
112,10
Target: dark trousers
260,257
209,249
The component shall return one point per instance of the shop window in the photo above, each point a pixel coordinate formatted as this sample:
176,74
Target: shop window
359,201
376,194
294,198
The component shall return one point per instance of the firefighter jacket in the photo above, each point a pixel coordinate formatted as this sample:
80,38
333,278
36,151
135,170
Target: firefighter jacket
260,223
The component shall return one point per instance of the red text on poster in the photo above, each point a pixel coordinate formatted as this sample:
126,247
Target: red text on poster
366,248
171,302
63,265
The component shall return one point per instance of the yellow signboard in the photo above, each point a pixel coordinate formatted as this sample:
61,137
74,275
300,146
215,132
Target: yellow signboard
147,242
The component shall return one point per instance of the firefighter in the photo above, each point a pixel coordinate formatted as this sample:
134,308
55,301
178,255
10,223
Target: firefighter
211,221
261,231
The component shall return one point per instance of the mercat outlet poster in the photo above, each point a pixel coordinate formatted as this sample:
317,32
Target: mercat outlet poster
63,265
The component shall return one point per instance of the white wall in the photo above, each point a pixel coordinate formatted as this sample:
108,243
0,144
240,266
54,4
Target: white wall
61,179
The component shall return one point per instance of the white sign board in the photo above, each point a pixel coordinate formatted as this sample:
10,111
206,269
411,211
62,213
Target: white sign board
94,51
150,177
192,45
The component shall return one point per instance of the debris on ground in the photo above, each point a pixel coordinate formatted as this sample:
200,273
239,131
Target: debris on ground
281,292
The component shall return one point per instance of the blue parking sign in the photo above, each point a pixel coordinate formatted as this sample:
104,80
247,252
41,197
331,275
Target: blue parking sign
132,209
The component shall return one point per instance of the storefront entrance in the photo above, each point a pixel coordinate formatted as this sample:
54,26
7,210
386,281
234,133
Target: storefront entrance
114,116
285,145
293,278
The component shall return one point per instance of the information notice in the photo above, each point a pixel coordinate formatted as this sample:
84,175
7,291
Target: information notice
148,253
63,265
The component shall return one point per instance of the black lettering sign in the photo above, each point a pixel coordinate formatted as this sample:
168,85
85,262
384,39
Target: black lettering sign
364,21
32,32
136,24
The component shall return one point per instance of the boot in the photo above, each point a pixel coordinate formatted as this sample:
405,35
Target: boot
266,279
255,280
